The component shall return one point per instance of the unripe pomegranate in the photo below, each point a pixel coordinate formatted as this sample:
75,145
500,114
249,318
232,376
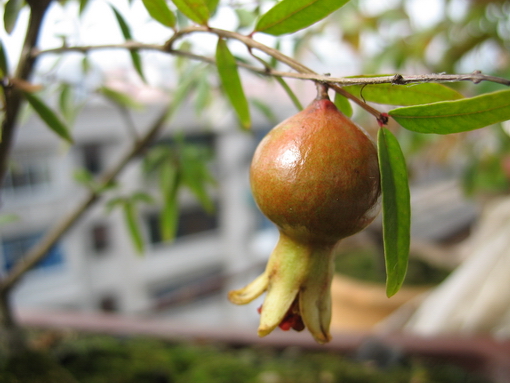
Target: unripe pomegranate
316,176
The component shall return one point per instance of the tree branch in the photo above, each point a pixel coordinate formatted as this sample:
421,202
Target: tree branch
397,79
13,97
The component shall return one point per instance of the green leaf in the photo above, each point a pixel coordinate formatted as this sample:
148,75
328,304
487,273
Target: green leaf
137,63
4,64
83,5
245,17
289,16
290,93
195,174
203,96
229,76
187,82
396,208
126,32
455,116
212,5
48,116
265,109
85,65
133,227
119,98
142,197
169,218
11,13
124,27
159,11
169,184
196,10
343,104
404,94
84,177
64,101
113,203
155,157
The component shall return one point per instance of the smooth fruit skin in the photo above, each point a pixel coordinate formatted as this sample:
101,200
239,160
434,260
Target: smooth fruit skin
316,175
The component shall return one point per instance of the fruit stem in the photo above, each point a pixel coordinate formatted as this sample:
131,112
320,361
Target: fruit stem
322,90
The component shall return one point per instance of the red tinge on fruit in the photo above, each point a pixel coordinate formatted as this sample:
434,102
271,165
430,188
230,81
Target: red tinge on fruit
316,176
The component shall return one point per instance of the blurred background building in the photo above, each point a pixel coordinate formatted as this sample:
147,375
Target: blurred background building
95,267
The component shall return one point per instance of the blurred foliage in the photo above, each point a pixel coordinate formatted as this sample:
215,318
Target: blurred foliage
103,359
464,36
367,265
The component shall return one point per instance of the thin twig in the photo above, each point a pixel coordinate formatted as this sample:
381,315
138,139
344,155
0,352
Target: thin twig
397,79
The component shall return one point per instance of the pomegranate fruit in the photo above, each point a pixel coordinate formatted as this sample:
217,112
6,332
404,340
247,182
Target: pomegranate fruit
316,176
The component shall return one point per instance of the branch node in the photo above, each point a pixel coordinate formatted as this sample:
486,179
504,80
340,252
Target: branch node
398,79
477,77
383,119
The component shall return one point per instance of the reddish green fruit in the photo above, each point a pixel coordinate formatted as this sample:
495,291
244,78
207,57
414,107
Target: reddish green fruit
316,176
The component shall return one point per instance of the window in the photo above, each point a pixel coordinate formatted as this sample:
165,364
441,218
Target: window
108,303
28,174
15,248
93,157
192,220
100,238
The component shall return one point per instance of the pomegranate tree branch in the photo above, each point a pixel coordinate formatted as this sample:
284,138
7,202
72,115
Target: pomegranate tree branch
302,72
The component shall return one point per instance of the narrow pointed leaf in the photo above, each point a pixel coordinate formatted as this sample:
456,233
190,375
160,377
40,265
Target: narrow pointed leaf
114,203
396,209
212,5
83,5
142,197
83,177
48,116
290,93
137,63
159,11
195,10
289,16
203,95
119,98
11,13
169,218
245,18
64,101
231,82
405,95
126,32
265,109
343,104
124,27
455,116
169,184
133,227
194,173
4,64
